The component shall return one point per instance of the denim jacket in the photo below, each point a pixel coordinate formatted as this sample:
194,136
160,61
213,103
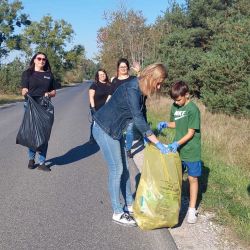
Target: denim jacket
123,107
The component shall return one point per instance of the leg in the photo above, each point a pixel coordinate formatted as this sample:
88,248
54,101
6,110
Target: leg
129,136
31,154
91,138
125,181
194,171
43,154
193,185
111,150
129,139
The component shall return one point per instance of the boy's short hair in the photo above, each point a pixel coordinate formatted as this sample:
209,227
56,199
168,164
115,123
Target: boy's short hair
179,88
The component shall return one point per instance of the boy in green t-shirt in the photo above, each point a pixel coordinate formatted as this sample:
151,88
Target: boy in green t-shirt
185,118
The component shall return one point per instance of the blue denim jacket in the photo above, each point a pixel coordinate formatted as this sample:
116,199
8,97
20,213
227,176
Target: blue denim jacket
123,107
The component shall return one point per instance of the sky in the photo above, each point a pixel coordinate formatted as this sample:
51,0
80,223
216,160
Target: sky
86,16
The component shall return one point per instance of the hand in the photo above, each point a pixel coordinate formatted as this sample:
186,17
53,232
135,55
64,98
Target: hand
162,125
25,91
174,146
162,148
46,94
136,67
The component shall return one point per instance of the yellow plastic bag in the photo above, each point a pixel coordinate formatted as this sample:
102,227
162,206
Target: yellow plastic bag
158,196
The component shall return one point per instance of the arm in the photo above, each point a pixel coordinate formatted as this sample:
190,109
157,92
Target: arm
52,93
136,67
187,137
25,83
24,91
176,144
52,90
91,98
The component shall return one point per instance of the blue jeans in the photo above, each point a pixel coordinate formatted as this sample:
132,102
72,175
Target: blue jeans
129,136
118,173
42,153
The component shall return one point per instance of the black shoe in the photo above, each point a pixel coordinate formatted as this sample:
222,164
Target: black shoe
31,164
129,154
44,168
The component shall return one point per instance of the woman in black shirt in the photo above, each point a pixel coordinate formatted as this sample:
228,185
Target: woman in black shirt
38,81
99,92
121,78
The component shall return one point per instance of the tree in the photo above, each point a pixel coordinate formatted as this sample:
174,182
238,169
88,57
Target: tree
76,65
207,44
124,36
10,19
51,37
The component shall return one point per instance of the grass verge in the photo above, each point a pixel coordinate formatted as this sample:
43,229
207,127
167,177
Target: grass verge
10,99
224,185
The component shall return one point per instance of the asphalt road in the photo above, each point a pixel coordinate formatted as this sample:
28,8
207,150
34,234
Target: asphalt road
69,207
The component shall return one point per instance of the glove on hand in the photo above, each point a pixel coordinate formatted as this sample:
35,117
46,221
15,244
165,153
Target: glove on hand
162,148
162,125
174,146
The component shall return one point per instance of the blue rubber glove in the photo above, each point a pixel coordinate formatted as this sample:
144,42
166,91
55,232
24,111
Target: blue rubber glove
162,125
162,148
174,146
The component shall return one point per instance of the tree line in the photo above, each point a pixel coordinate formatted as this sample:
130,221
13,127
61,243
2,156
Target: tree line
204,42
19,33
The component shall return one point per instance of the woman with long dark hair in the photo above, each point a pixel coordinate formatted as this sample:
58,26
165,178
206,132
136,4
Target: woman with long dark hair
38,81
99,93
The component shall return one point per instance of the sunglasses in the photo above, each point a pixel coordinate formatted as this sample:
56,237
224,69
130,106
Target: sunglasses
41,59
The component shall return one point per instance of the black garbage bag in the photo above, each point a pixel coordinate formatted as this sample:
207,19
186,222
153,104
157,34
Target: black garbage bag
37,123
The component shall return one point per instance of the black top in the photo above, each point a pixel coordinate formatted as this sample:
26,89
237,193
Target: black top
116,82
38,83
102,91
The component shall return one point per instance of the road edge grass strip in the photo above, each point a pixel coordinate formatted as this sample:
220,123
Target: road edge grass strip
5,99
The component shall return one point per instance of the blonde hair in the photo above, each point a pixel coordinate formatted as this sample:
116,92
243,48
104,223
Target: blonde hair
152,75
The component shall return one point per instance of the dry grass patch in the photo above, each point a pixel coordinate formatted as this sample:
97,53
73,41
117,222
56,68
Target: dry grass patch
227,137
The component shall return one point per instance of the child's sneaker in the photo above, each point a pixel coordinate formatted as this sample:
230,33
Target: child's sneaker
124,219
192,215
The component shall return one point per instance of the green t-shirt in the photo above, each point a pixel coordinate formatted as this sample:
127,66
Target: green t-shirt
186,117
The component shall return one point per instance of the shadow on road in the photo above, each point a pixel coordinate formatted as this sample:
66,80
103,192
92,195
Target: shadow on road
73,155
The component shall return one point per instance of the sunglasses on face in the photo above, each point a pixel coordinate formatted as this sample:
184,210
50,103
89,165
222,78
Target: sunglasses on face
41,59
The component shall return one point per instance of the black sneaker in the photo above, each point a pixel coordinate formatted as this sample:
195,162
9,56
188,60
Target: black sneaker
44,168
129,154
31,164
124,219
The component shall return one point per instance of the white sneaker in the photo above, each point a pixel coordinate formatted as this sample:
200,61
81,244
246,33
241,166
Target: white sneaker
124,219
192,215
130,209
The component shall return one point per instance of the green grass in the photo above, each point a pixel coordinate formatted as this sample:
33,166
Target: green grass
224,189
